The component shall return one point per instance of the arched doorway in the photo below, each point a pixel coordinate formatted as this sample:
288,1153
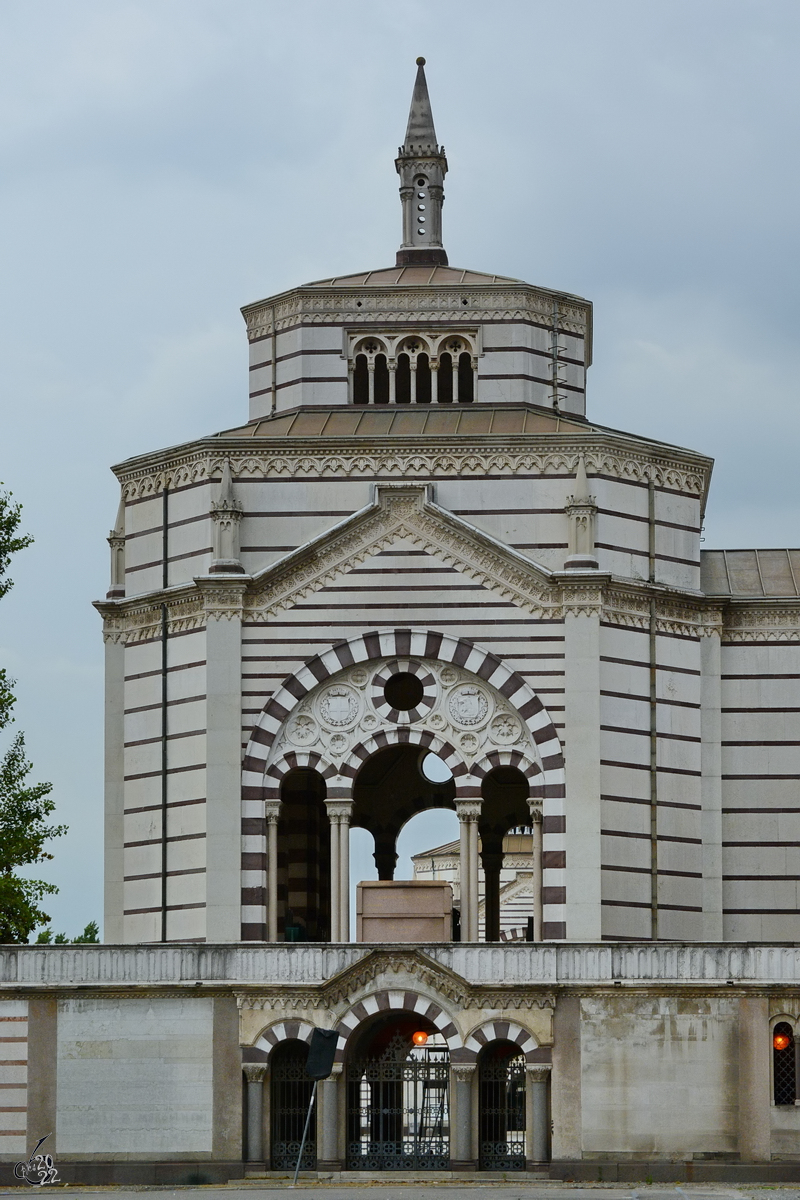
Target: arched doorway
505,792
389,790
304,859
398,1107
501,1107
290,1096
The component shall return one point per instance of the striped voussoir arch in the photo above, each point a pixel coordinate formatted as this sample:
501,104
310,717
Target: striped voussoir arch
419,644
500,1031
284,1031
399,1001
406,737
292,760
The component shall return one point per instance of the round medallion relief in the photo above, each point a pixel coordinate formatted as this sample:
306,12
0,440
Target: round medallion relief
505,729
303,730
338,706
338,743
448,676
468,705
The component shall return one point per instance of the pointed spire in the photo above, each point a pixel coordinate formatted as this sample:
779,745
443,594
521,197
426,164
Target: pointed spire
581,493
422,166
420,130
226,485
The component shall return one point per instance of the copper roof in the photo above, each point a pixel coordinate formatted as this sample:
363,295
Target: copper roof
472,421
751,573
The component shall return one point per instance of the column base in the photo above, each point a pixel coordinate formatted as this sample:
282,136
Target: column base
457,1164
329,1164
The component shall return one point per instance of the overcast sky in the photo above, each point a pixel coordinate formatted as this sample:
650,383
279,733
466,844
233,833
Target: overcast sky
163,162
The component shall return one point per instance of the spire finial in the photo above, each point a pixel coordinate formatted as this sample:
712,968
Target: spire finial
422,166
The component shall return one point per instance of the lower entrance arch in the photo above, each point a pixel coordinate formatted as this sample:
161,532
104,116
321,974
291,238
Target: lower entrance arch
398,1105
290,1095
502,1116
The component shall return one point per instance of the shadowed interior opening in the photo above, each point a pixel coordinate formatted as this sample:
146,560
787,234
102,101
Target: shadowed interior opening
403,691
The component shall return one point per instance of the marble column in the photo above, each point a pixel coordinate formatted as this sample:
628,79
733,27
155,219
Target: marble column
339,815
537,1141
328,1122
272,815
461,1156
255,1074
469,812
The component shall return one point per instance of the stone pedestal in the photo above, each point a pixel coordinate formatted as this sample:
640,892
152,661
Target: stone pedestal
461,1156
328,1124
537,1140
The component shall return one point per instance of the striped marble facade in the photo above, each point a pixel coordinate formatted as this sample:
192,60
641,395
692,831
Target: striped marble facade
669,680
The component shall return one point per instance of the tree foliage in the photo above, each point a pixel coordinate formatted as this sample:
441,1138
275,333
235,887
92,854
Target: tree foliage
24,807
24,810
90,934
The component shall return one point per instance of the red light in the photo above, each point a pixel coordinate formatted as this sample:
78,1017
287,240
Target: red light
781,1041
419,1038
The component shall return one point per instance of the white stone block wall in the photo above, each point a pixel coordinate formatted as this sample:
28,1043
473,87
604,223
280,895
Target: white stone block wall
659,1076
134,1077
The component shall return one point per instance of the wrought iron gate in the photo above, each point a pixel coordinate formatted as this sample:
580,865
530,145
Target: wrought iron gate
398,1113
290,1094
501,1082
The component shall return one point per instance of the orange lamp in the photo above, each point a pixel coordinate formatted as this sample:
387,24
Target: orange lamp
419,1038
780,1041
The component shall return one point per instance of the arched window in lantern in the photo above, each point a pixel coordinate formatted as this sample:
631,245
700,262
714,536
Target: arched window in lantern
466,392
381,380
423,379
403,385
361,380
784,1070
445,390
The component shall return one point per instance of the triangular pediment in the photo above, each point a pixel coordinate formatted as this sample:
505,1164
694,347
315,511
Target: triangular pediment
388,967
402,515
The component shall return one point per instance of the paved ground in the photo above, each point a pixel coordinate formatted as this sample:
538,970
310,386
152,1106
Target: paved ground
506,1190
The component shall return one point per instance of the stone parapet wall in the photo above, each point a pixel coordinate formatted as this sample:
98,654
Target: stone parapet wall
562,966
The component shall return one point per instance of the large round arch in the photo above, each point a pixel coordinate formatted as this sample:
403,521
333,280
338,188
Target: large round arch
546,786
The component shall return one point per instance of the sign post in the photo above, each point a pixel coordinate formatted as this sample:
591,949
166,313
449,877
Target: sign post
318,1066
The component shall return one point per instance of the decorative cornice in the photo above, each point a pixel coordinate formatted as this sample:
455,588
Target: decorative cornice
337,305
760,621
407,458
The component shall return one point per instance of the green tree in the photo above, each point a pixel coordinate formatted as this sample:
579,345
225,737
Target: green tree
24,807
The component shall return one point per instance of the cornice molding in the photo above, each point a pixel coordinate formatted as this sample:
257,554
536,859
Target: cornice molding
401,458
344,990
368,306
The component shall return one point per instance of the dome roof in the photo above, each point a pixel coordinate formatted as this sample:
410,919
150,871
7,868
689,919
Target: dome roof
418,275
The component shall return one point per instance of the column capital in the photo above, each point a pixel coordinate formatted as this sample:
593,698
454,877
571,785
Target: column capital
272,811
463,1071
538,1072
339,811
468,810
255,1072
536,811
